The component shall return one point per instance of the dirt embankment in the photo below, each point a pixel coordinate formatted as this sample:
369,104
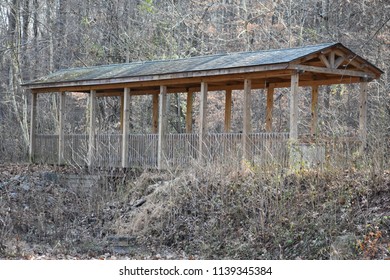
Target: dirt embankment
48,212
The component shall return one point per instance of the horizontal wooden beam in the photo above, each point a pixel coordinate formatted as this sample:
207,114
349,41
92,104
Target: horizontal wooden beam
339,72
345,80
255,85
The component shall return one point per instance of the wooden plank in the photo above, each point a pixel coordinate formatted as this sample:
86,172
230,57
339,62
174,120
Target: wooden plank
338,62
294,107
352,61
363,114
332,59
122,97
324,60
189,111
269,109
247,120
155,114
228,110
162,128
125,128
92,127
33,125
61,139
323,70
344,80
203,120
314,110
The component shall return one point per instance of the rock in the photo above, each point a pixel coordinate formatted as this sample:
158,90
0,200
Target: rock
343,247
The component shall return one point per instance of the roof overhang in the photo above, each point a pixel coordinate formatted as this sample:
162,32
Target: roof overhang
322,65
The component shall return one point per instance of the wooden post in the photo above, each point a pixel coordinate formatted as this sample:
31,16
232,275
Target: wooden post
294,107
246,147
33,126
61,139
314,110
155,114
228,110
125,127
189,112
92,126
270,107
363,115
162,127
203,120
122,109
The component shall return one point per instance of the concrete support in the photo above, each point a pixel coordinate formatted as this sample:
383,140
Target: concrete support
228,111
33,125
125,127
92,127
162,127
61,139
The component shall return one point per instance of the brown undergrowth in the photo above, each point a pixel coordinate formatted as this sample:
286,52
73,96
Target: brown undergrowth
208,213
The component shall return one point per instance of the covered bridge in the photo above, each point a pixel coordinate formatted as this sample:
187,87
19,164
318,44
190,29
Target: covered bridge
309,66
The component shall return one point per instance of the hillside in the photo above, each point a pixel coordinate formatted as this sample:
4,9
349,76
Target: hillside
54,213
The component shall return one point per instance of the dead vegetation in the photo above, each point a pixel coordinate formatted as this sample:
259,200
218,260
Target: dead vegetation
209,213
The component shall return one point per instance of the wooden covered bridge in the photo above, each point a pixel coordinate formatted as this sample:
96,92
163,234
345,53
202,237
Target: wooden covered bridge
310,66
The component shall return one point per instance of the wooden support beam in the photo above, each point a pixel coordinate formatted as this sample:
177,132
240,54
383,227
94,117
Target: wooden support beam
270,107
162,127
203,121
325,60
363,115
342,72
122,97
343,80
228,110
155,114
61,139
125,127
353,61
338,62
246,147
92,127
314,110
189,112
33,125
332,60
294,107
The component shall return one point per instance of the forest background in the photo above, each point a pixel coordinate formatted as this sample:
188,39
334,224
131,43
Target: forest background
206,213
40,37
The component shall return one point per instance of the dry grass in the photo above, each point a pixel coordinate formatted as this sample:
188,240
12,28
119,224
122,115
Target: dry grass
208,212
